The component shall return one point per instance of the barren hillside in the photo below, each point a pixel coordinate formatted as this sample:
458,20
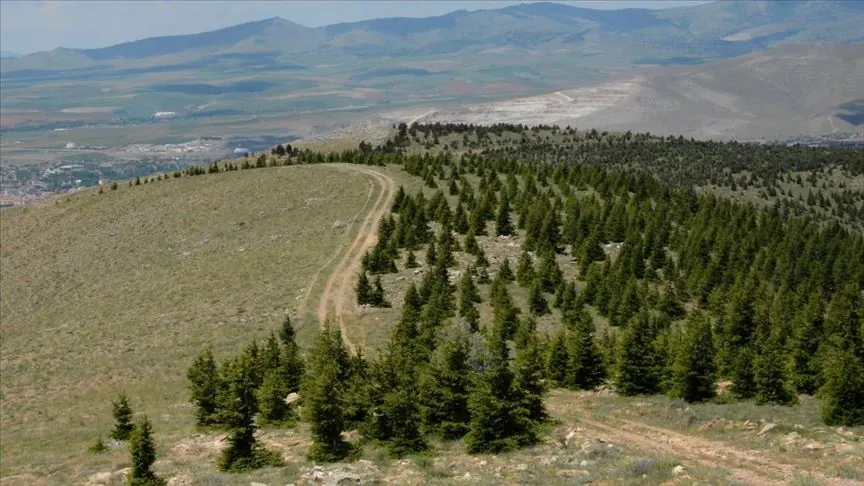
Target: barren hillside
778,93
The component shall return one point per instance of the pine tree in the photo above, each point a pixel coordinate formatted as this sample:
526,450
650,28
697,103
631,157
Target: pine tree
557,363
585,369
411,260
843,391
636,368
536,301
771,374
468,293
143,452
505,272
444,385
286,332
377,298
322,398
694,371
364,290
591,251
525,269
431,254
806,338
271,400
503,225
471,245
477,221
270,356
549,274
742,375
528,383
403,414
498,422
243,452
204,385
122,418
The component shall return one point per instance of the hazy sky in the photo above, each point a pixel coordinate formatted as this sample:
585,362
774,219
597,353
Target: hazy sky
28,26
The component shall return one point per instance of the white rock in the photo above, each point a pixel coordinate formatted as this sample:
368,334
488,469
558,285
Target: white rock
678,470
767,428
570,436
814,446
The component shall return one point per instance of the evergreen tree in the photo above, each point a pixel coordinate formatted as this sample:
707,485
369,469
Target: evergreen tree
806,338
636,370
286,333
505,272
471,245
377,298
431,255
525,269
771,374
402,412
549,274
204,385
364,290
585,369
498,421
536,301
590,251
143,452
528,383
271,400
243,452
122,418
468,293
743,377
557,363
843,392
444,385
503,225
411,260
322,398
270,355
694,371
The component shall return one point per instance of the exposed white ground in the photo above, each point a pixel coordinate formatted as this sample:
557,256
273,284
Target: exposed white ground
561,107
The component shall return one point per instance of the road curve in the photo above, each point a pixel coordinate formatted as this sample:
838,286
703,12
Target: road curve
337,298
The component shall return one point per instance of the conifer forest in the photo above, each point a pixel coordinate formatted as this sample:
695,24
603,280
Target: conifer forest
704,271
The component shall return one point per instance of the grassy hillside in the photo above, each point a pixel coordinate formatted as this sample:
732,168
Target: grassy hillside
143,277
122,289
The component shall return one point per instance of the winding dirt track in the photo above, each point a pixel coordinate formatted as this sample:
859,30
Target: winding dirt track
337,297
749,466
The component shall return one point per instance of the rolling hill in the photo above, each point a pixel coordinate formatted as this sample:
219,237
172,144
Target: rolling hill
119,289
139,279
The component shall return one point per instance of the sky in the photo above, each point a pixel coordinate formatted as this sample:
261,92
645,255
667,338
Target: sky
28,26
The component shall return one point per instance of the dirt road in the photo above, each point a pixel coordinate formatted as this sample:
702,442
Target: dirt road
750,466
338,295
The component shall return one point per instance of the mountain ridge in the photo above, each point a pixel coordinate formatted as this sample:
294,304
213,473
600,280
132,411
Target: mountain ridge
704,27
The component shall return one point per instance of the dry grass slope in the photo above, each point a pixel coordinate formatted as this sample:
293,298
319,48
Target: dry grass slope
122,289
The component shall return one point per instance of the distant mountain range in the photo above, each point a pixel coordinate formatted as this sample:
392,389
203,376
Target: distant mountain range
611,38
277,67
